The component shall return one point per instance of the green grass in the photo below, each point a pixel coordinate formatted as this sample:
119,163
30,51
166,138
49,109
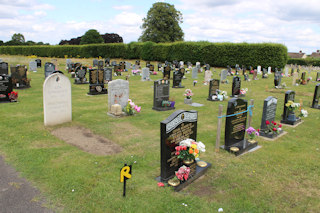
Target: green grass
282,176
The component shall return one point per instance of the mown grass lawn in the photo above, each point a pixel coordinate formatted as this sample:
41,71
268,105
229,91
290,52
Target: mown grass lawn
282,176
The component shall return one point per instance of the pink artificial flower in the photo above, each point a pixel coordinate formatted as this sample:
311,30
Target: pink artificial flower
138,109
160,184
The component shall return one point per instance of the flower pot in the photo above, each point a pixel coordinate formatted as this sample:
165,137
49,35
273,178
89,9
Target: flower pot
291,116
172,103
188,100
252,141
174,182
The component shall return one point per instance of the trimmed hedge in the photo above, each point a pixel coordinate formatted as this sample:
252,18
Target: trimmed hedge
304,62
215,54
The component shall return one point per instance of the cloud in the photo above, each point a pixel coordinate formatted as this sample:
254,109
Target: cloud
123,7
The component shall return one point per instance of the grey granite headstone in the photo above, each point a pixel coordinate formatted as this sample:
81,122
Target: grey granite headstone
194,72
145,74
33,66
223,75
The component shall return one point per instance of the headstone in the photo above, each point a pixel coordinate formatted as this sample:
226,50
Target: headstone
268,113
289,117
177,78
100,64
38,62
223,75
236,126
145,74
5,87
80,75
55,62
107,62
207,67
318,76
49,68
181,64
229,69
286,72
269,70
113,63
57,99
138,62
161,93
107,74
213,87
179,126
19,76
255,73
96,81
95,63
198,66
159,66
1,60
128,65
277,79
117,70
33,66
118,93
316,96
303,78
151,68
259,69
166,72
294,78
236,84
246,77
207,76
292,71
264,73
194,72
4,69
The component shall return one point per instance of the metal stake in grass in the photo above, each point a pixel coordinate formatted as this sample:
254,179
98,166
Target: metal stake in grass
219,128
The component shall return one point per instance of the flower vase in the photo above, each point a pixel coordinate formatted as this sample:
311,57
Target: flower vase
172,103
192,165
174,182
188,100
252,141
291,116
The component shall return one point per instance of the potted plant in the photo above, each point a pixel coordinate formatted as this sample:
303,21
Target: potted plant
252,133
180,176
291,107
188,94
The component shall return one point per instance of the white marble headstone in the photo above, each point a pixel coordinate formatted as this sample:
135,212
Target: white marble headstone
269,70
259,70
118,93
207,76
57,106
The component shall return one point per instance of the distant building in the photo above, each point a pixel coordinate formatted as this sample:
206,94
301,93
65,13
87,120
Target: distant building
300,54
315,54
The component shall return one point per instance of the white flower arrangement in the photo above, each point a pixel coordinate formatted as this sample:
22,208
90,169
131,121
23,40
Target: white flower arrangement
303,113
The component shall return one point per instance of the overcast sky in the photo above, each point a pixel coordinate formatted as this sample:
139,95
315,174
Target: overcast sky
294,23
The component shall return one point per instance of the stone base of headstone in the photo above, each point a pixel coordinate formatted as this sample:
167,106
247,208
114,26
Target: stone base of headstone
103,92
199,172
272,138
292,123
244,146
163,108
316,107
177,86
21,86
78,81
116,116
297,123
196,105
210,99
271,135
237,96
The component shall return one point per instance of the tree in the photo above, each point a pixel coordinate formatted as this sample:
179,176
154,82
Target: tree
91,37
162,24
18,38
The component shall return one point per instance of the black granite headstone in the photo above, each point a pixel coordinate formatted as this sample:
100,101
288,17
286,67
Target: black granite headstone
38,62
96,80
95,63
4,68
161,93
179,126
100,64
213,87
49,68
236,84
236,126
5,87
177,78
318,76
19,77
107,62
316,96
289,117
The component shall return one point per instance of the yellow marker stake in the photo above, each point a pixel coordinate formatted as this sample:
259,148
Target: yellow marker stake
125,173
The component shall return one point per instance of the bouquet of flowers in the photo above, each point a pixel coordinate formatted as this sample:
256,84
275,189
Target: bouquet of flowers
292,106
13,96
303,113
188,93
309,79
252,132
221,95
189,149
130,108
243,91
272,127
183,173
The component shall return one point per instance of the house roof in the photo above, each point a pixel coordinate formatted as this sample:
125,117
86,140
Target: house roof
315,55
296,55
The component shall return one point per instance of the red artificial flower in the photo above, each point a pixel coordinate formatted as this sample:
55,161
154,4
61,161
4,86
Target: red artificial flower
160,184
280,125
184,147
274,123
258,130
178,148
267,122
177,153
274,129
